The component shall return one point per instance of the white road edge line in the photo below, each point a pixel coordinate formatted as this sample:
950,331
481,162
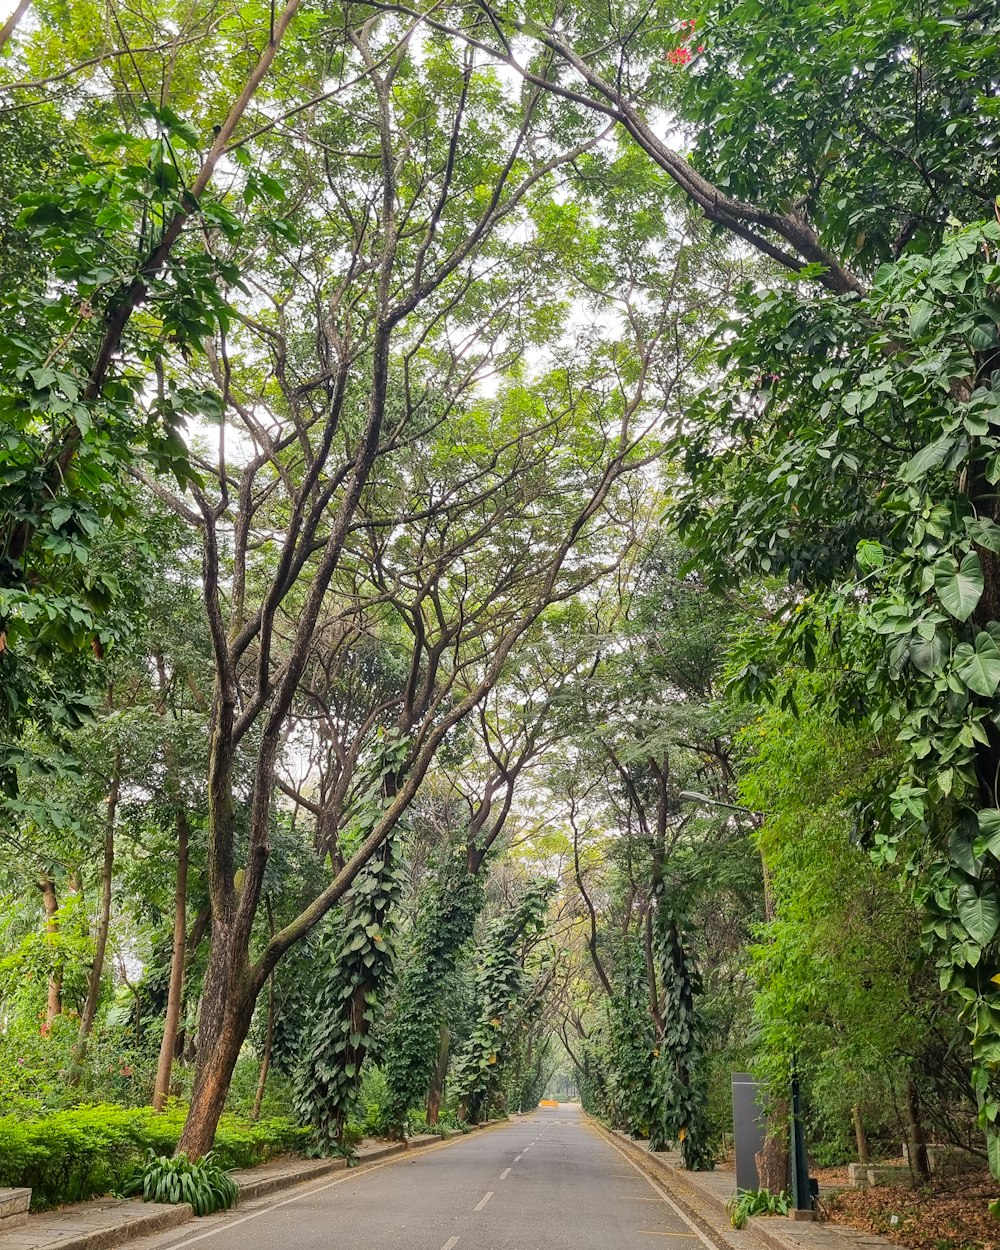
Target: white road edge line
450,1244
483,1201
711,1245
504,1174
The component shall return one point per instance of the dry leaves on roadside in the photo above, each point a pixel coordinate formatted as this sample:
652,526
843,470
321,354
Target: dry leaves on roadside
953,1216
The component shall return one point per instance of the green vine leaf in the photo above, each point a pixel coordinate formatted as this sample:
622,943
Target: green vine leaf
959,587
979,668
979,912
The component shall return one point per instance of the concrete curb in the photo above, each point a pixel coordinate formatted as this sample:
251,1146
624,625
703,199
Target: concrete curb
773,1231
113,1222
132,1220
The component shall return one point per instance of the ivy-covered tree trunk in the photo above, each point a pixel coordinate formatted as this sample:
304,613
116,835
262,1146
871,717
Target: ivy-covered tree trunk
438,1076
360,960
632,1045
499,996
681,1084
444,927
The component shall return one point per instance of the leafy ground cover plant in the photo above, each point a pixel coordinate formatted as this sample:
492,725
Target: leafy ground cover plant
203,1183
73,1155
747,1202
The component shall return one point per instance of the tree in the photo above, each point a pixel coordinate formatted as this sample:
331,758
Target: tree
849,442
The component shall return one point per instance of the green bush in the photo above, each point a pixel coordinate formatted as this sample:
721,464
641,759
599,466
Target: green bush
373,1098
203,1183
69,1156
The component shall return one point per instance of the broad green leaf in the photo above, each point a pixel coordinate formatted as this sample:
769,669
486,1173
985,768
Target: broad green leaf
962,853
927,458
979,668
979,912
920,318
993,1152
870,555
959,587
989,830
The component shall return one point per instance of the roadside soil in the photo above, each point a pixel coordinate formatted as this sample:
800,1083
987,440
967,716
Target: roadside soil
952,1215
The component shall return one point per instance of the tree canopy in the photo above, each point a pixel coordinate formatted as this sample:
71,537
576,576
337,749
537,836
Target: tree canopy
500,564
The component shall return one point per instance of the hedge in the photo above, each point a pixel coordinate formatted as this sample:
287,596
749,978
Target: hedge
88,1151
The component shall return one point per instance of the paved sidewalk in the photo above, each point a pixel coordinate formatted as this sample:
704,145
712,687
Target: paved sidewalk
107,1222
712,1190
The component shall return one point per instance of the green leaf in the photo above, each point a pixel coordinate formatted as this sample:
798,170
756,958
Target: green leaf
993,1152
870,555
979,912
959,587
962,853
984,532
927,458
920,318
989,831
979,668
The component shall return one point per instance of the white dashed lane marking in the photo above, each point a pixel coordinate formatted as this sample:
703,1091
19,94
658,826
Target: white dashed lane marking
483,1201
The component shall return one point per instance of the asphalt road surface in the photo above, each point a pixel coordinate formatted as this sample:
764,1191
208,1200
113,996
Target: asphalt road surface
547,1181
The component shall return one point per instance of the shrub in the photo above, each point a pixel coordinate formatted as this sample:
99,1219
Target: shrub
203,1183
749,1202
373,1098
69,1156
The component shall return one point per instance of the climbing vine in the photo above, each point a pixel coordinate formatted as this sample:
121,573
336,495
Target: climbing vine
359,950
443,927
680,1089
631,1050
500,993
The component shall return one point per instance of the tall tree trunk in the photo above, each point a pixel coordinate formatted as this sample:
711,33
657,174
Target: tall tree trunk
103,924
175,992
918,1142
11,23
226,1013
437,1080
265,1063
860,1136
51,904
184,1046
772,1158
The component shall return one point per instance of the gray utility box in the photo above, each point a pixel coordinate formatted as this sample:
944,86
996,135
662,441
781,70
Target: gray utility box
749,1125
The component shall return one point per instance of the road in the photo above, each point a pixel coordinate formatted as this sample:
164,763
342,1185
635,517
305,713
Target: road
546,1181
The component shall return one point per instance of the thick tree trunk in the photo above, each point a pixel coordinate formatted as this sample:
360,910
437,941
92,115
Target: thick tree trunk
437,1080
860,1136
772,1158
227,1006
175,992
53,1005
918,1142
216,1062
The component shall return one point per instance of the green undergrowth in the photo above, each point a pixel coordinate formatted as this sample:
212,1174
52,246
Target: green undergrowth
84,1152
748,1202
205,1185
